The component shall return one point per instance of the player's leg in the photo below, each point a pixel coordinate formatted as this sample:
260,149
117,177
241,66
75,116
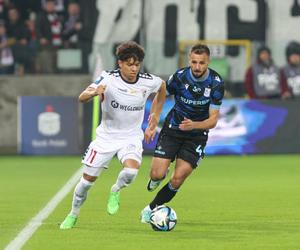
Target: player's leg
159,170
165,151
131,157
79,197
125,177
94,164
188,157
182,170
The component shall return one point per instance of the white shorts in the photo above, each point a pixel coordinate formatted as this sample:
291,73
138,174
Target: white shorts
99,154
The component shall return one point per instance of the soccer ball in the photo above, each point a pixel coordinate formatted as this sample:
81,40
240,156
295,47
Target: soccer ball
163,218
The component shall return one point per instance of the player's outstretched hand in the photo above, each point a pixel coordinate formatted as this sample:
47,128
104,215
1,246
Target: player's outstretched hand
153,121
149,134
186,124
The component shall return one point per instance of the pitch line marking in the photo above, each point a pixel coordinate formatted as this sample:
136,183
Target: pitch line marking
38,219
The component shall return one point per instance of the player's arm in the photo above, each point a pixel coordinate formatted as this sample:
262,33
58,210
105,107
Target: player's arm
155,111
90,92
167,88
157,105
208,123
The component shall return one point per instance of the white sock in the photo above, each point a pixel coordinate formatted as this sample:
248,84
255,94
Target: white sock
80,195
125,177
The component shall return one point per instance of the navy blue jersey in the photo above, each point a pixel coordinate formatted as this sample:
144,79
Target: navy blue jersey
193,97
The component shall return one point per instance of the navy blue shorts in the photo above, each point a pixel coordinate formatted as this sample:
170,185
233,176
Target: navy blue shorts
172,145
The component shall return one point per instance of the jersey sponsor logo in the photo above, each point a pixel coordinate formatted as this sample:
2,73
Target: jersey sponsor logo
196,90
207,92
194,102
116,105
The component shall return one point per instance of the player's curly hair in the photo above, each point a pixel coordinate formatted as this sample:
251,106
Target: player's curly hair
129,50
200,49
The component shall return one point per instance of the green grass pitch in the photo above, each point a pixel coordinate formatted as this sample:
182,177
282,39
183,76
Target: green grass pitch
229,202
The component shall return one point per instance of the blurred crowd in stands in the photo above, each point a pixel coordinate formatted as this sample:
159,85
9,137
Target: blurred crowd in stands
265,80
32,32
35,34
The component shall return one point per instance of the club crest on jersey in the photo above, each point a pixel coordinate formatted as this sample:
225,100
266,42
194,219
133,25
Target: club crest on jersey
207,92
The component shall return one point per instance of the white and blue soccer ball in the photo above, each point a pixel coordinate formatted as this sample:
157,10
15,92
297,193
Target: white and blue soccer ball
163,218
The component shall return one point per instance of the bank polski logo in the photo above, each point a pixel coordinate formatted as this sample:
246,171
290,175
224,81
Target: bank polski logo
49,122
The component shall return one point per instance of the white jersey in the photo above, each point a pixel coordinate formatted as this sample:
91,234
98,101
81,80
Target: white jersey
123,104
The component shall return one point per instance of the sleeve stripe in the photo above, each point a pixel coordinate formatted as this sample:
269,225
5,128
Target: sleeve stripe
213,106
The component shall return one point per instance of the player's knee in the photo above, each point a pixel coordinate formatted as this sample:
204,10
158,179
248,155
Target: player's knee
82,187
130,175
156,174
89,178
86,183
176,182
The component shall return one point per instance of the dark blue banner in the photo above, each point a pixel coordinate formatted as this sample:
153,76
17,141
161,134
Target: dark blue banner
249,127
48,125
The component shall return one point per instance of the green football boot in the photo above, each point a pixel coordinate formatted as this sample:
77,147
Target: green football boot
113,202
69,222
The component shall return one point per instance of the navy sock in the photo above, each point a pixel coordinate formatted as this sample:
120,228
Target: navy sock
164,195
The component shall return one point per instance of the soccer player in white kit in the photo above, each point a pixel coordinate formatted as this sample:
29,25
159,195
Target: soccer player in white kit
124,93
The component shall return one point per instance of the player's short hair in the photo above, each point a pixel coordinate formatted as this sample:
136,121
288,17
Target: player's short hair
200,49
129,50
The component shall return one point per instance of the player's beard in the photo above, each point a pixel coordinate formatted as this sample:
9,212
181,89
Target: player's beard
199,75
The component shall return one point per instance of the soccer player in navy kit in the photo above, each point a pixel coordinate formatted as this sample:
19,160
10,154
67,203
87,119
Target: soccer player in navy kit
198,92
